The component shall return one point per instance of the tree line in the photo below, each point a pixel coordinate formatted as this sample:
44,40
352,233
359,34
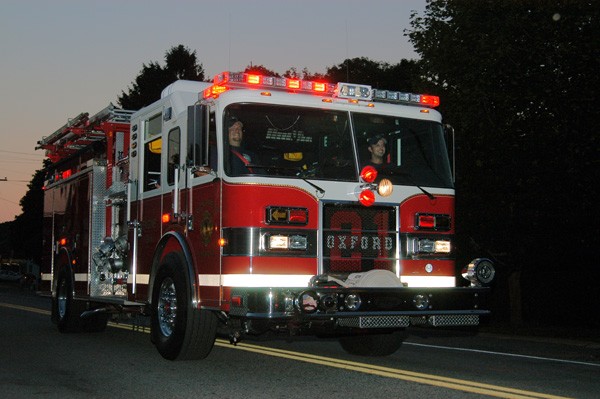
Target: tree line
518,82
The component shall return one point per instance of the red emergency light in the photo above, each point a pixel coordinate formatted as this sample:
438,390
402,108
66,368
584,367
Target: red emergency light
355,93
432,101
293,83
226,80
427,221
368,174
254,79
366,197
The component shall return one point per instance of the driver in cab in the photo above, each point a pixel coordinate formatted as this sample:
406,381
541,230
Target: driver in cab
239,157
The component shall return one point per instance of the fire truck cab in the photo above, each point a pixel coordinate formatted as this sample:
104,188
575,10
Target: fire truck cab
252,204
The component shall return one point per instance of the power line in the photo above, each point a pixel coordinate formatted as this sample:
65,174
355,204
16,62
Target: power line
21,153
15,160
7,200
15,181
4,171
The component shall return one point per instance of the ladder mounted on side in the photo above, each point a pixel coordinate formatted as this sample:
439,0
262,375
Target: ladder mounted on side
82,131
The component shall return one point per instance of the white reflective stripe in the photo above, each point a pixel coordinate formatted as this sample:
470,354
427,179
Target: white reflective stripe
140,279
428,281
275,280
210,280
255,280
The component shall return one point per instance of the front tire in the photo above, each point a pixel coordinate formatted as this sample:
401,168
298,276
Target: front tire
179,330
373,344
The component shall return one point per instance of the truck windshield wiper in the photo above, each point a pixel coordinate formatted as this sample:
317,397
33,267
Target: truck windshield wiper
319,189
269,168
301,173
396,172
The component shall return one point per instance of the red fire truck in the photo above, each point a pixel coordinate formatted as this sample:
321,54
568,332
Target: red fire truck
249,205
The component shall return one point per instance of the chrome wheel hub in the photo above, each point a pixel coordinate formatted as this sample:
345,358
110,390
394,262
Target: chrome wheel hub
61,298
167,307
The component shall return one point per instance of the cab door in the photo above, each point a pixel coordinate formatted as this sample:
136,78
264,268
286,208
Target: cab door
147,188
201,202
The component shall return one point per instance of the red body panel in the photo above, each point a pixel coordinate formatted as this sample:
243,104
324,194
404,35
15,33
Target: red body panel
269,265
245,205
442,204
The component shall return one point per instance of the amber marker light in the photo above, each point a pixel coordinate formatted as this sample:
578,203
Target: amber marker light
222,242
166,217
385,188
214,91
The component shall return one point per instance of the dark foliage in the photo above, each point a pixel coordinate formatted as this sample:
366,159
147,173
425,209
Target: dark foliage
24,234
402,76
518,82
153,78
260,70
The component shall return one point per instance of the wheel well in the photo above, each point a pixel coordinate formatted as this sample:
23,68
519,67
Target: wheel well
173,242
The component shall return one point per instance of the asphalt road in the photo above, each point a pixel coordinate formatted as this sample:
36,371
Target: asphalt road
38,361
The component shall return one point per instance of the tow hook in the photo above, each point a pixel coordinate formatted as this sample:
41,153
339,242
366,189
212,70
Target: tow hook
235,337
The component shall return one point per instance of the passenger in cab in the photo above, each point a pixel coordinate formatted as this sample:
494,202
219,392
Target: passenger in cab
377,149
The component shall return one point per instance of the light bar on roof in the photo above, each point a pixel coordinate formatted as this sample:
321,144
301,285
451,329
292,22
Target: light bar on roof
247,80
401,97
353,91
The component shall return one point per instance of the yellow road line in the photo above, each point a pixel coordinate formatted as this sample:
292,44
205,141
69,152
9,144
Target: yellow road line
406,375
25,308
429,379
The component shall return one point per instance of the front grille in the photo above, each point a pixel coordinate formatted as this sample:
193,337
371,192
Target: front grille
358,238
445,320
375,322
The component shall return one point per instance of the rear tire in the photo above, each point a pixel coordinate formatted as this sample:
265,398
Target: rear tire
373,344
64,309
179,331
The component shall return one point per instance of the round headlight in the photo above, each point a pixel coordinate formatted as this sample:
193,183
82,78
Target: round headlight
421,301
329,302
353,302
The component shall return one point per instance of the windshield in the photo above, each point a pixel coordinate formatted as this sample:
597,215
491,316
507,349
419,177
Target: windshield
312,143
406,151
